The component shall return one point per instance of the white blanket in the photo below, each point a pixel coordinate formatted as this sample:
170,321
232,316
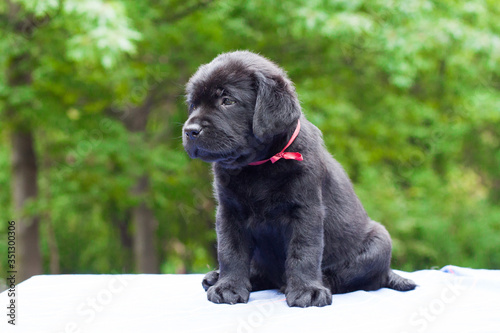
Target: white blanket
452,299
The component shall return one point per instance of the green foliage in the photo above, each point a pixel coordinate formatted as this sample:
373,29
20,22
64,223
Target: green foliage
405,92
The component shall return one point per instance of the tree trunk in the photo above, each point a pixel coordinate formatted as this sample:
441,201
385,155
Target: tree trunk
122,224
143,220
24,187
24,165
146,260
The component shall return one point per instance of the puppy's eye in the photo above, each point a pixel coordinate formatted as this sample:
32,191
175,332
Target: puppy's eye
228,101
192,107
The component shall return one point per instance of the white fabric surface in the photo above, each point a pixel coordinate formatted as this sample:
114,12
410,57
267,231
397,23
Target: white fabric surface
452,299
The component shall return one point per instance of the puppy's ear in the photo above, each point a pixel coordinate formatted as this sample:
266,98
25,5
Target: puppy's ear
276,108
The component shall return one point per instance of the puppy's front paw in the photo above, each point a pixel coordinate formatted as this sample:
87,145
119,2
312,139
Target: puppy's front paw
210,279
315,295
229,292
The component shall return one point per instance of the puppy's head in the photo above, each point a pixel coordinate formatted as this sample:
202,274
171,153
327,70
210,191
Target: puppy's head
237,104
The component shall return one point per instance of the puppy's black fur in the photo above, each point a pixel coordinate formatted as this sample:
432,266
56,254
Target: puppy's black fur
293,225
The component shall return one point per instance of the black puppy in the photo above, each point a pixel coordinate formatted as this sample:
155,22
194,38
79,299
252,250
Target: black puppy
287,214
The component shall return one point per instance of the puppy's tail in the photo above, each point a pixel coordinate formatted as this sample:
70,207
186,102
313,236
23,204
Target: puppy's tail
399,283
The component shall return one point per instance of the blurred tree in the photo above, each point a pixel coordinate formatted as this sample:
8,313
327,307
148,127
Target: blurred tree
405,92
24,163
25,57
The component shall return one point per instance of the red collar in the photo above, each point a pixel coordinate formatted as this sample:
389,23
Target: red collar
282,153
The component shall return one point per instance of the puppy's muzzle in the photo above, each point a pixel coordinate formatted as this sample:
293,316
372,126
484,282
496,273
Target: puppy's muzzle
193,131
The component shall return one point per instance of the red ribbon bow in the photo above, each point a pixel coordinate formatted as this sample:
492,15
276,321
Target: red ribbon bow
283,153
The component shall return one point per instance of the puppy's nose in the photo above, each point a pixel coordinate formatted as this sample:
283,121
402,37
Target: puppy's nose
193,131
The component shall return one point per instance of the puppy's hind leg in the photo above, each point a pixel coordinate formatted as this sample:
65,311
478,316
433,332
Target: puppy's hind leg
399,283
389,279
369,268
